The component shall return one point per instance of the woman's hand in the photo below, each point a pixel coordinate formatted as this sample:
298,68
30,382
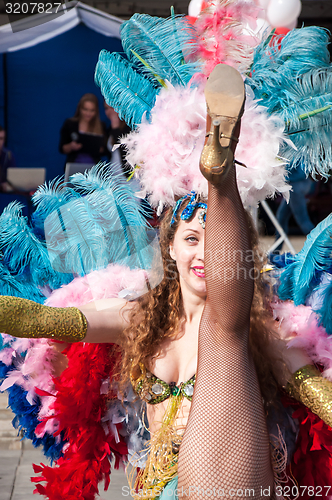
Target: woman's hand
71,146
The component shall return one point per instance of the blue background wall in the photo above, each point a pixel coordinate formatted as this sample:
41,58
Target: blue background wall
44,85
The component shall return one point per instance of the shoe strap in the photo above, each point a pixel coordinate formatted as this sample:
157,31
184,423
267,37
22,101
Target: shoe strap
240,163
223,136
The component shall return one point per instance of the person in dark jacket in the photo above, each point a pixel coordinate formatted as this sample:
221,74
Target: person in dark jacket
83,137
7,160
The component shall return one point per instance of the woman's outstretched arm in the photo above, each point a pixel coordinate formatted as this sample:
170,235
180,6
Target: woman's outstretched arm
225,449
99,321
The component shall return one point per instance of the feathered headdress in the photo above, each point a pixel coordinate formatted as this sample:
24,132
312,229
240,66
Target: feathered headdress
287,118
165,147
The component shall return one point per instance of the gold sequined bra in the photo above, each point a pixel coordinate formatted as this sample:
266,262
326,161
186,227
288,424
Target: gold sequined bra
153,390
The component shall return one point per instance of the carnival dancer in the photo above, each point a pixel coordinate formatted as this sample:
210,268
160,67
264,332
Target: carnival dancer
210,305
205,332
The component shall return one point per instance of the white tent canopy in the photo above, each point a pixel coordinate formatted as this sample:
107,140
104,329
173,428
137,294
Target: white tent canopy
28,31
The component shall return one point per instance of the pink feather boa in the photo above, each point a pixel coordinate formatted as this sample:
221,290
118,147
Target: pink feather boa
300,325
166,151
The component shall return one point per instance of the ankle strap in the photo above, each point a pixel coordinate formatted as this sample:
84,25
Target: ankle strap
223,136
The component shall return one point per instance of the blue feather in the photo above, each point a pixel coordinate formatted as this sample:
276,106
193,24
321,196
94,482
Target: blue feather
325,310
106,224
26,417
311,133
47,199
295,83
162,44
298,279
22,252
121,218
19,285
128,92
75,242
300,51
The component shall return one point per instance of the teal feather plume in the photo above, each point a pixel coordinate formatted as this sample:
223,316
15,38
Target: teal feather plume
75,242
300,51
165,45
122,218
324,309
295,83
124,88
299,278
308,119
96,221
22,251
49,197
18,286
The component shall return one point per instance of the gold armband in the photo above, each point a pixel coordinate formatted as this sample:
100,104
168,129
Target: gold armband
309,387
27,319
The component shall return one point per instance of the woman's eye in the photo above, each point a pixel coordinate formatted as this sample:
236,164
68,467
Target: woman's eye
191,239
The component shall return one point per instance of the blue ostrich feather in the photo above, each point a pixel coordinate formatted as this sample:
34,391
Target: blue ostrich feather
19,285
300,51
299,278
162,44
122,219
105,224
325,310
23,253
295,83
48,198
124,88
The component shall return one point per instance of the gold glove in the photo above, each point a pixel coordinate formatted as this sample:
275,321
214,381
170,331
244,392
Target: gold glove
309,387
24,318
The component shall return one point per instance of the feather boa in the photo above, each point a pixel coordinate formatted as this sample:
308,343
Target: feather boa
301,325
223,36
311,463
91,437
72,416
167,150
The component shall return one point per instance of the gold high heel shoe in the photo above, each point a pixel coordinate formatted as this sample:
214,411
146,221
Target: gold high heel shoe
225,97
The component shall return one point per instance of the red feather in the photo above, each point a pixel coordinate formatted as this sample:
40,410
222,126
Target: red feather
79,407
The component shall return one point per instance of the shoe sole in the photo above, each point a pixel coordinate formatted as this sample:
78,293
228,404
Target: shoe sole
225,97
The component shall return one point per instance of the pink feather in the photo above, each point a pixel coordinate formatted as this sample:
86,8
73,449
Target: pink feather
224,35
167,150
301,323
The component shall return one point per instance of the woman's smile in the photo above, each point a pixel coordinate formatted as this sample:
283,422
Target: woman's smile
198,271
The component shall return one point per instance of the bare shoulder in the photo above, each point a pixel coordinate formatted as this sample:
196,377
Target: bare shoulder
107,318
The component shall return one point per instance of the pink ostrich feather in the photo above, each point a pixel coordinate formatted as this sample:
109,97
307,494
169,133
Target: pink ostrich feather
223,34
102,284
165,152
299,324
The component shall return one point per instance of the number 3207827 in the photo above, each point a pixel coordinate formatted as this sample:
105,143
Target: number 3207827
31,8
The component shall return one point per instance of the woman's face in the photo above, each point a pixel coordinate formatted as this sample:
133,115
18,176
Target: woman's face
187,249
87,111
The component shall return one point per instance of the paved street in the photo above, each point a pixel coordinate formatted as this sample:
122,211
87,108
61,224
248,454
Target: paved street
16,470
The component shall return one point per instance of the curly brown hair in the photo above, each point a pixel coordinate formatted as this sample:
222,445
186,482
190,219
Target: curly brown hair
159,313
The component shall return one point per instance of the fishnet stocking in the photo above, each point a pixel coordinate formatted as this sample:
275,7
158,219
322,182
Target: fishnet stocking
225,446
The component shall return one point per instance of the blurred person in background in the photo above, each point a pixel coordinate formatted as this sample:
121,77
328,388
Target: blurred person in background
117,129
297,206
83,137
7,160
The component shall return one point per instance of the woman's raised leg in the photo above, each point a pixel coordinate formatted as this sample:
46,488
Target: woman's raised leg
225,449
